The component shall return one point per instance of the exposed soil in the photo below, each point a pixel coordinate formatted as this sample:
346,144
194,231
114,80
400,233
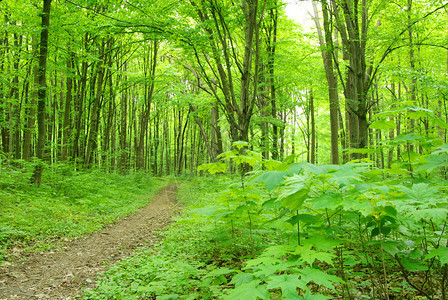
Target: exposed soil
64,274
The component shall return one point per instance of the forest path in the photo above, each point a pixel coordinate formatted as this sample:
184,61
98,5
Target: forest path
64,274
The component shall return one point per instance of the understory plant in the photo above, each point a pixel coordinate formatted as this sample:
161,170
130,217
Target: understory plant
69,204
288,230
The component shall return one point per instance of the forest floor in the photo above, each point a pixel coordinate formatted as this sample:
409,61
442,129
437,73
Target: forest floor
65,274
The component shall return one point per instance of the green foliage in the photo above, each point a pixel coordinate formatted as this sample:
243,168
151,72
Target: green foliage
297,231
68,205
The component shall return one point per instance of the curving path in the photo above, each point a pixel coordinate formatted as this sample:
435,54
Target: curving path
64,274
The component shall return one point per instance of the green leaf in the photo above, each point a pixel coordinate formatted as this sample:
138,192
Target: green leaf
433,162
442,149
295,192
410,137
383,124
288,284
272,165
319,277
441,252
309,255
437,215
277,251
322,242
271,179
213,168
218,272
240,144
309,296
249,291
348,174
242,278
306,218
421,193
413,265
168,297
327,201
295,201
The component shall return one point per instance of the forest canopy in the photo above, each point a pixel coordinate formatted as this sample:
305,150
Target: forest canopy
167,86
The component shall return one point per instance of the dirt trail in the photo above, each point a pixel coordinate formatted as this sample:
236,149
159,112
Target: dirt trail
64,274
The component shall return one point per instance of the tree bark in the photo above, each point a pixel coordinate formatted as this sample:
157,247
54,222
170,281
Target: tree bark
43,53
326,43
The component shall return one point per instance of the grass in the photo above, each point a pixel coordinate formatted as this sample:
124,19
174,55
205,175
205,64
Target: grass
67,205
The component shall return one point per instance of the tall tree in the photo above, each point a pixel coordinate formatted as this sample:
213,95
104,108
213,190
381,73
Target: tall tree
43,53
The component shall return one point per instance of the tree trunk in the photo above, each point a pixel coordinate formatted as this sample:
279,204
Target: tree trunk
67,107
43,53
147,107
95,111
326,43
31,109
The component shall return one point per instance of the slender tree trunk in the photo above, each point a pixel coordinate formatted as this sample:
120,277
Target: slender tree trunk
95,111
326,43
313,130
43,53
67,107
149,90
410,146
31,110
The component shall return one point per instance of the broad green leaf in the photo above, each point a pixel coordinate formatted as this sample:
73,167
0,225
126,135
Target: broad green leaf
413,265
218,272
437,215
207,211
213,168
309,255
271,179
242,278
441,123
296,168
306,218
391,247
277,251
295,192
327,201
348,174
422,193
240,144
319,277
433,162
322,243
390,211
441,252
295,201
383,124
288,284
249,291
410,137
309,296
272,165
442,149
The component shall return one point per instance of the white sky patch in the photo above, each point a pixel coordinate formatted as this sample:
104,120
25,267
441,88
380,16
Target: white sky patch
300,11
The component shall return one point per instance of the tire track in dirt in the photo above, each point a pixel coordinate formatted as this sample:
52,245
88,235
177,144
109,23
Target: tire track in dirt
64,274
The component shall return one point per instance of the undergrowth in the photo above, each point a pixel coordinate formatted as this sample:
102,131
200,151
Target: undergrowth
291,230
67,205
